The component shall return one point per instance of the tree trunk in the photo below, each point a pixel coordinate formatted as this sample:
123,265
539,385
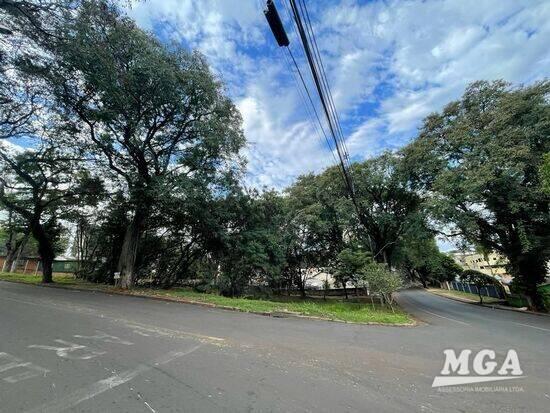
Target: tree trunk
301,284
535,298
14,247
47,264
9,261
302,289
13,258
45,249
10,251
387,259
423,281
531,270
345,289
127,260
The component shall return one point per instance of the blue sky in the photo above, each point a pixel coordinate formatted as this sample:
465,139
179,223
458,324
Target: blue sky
389,64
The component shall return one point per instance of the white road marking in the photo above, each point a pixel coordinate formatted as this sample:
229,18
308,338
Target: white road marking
169,332
527,325
434,314
140,397
150,408
67,352
104,385
446,318
106,338
32,370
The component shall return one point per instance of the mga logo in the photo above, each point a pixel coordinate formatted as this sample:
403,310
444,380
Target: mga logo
485,368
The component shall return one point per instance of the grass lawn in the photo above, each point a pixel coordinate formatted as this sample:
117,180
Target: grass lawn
334,309
65,279
461,294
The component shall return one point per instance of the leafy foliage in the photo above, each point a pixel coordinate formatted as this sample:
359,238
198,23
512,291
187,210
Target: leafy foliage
41,185
148,114
383,281
478,163
135,145
350,266
545,173
253,250
387,204
478,279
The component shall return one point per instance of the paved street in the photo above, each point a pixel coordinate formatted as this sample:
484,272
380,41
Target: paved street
64,350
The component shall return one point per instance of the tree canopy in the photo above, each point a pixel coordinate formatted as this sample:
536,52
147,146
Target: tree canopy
134,147
478,161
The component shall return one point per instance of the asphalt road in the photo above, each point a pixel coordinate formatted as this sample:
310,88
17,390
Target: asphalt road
63,350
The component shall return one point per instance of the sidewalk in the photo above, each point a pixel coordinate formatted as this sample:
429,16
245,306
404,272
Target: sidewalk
488,305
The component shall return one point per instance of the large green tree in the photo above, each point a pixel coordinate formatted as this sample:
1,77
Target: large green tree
317,217
26,26
350,266
41,185
478,163
147,111
386,203
14,236
252,248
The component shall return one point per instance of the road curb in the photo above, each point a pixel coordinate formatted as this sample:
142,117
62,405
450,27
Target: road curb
493,306
274,314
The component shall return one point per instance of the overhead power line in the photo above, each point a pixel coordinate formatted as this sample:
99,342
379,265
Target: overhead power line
276,26
310,101
324,79
309,43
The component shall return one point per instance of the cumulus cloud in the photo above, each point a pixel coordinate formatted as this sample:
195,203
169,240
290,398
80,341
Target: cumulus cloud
389,63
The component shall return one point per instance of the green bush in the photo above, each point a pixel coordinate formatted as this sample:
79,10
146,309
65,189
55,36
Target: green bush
545,292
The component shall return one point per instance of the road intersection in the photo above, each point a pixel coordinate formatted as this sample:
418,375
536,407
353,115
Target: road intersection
63,350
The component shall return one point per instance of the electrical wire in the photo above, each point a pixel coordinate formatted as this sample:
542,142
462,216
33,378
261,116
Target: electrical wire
305,86
303,31
301,77
320,89
324,79
328,105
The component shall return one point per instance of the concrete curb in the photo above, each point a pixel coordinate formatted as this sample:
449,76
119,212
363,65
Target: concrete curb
274,314
493,306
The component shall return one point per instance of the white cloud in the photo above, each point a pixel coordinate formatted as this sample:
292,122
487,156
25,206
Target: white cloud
390,63
10,147
277,153
429,51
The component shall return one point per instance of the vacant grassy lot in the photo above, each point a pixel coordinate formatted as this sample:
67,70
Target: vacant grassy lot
461,294
334,309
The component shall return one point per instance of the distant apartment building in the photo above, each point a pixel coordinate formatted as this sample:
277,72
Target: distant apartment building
492,264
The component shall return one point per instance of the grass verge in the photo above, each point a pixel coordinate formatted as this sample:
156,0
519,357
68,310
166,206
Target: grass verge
64,279
357,312
462,294
339,310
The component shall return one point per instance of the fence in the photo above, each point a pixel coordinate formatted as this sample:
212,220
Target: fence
487,291
24,265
